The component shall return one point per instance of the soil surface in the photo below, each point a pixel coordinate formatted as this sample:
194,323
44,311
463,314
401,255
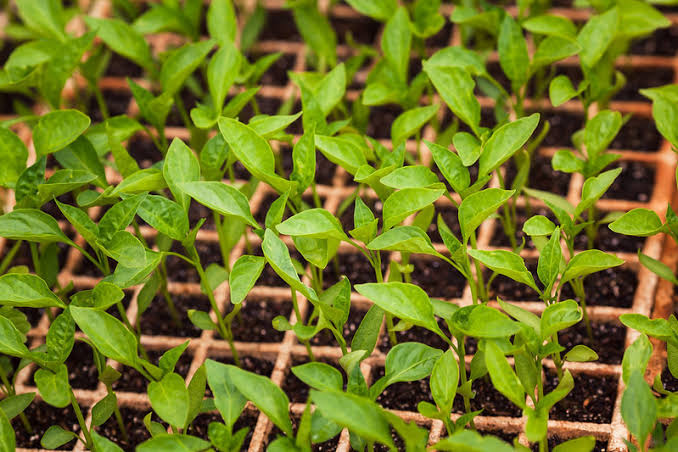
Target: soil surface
591,400
180,270
662,42
116,104
381,118
259,366
563,125
508,289
449,214
500,237
638,134
403,396
157,320
297,390
119,66
638,78
542,176
416,334
280,26
133,381
669,381
611,287
43,416
325,338
438,278
254,323
246,420
133,420
143,151
489,400
608,340
634,183
277,73
362,29
354,266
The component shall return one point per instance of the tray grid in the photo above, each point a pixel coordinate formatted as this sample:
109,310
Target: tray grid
662,160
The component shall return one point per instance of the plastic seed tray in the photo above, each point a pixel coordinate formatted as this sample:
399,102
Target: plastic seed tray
593,408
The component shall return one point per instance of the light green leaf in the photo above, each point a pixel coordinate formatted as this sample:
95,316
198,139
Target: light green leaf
502,375
169,399
505,142
28,291
638,222
57,129
221,198
181,165
315,223
475,208
505,263
587,262
244,275
404,203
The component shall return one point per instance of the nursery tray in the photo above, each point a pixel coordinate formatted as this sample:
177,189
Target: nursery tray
594,406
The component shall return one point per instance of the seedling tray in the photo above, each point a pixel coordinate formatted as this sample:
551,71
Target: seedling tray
647,181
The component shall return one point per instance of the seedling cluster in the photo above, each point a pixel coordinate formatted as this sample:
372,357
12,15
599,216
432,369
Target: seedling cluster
463,151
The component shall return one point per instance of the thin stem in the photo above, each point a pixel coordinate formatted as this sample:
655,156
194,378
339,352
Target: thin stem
81,420
9,256
208,289
35,257
168,297
118,416
222,242
100,101
479,273
581,294
462,374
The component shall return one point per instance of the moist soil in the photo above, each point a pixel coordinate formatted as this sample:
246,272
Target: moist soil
634,183
116,104
662,42
438,278
380,121
133,420
451,219
591,400
23,257
157,320
608,340
247,419
181,271
119,66
489,400
267,106
416,334
638,134
508,289
254,323
280,26
363,30
43,416
542,176
143,151
133,381
196,212
638,78
563,125
403,396
277,72
354,266
325,338
669,381
608,240
259,366
269,278
346,216
82,372
297,390
611,287
397,440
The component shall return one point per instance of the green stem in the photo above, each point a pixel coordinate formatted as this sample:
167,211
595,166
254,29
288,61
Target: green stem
81,420
100,101
581,294
591,228
9,256
221,327
482,290
462,374
118,416
35,257
168,297
228,320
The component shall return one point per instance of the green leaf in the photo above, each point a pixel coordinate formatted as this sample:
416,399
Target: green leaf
14,154
227,399
414,176
658,328
638,19
405,301
505,263
380,10
475,208
410,239
484,322
122,39
581,354
222,70
444,381
505,142
169,399
57,129
81,155
522,315
565,160
638,407
104,409
108,334
657,267
551,25
636,357
539,225
53,386
181,63
664,110
316,30
104,444
278,256
581,444
456,87
550,260
452,167
512,49
60,337
32,225
405,202
561,90
139,181
638,222
358,414
43,17
12,406
265,395
181,165
7,435
551,50
253,151
587,262
221,21
502,375
410,121
556,317
472,441
319,376
56,436
63,181
367,334
11,339
28,291
303,156
600,131
395,42
119,217
176,442
341,151
408,361
221,198
315,223
596,36
165,216
244,275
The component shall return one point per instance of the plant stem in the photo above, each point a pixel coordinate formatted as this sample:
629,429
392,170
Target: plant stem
462,374
297,313
35,257
482,290
168,297
10,392
81,420
581,294
100,101
9,256
118,416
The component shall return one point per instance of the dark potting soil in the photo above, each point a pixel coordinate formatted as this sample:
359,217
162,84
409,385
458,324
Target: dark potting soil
51,208
82,372
487,119
354,266
269,277
240,172
381,118
363,29
553,441
190,100
132,381
32,315
438,278
638,134
157,320
500,237
416,334
442,38
669,381
254,324
280,26
267,106
324,170
297,390
43,416
327,446
449,214
246,420
508,289
489,400
397,441
346,217
143,151
403,396
198,211
119,66
563,125
638,78
610,287
591,400
634,183
259,366
608,240
277,72
180,270
133,420
325,338
542,176
494,69
86,268
608,340
662,42
116,104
